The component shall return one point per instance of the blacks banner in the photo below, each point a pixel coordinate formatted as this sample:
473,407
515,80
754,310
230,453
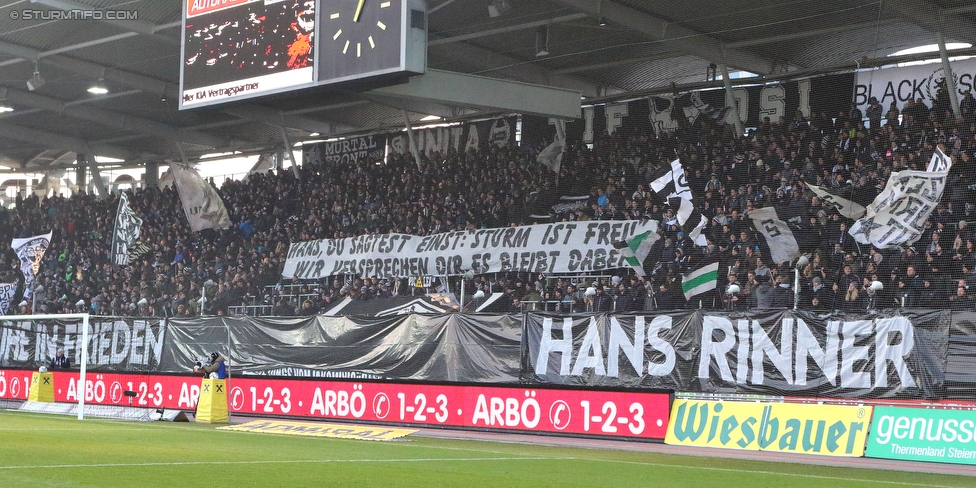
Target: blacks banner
454,348
773,353
114,343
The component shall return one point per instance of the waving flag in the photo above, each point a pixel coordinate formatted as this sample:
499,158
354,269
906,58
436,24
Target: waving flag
30,251
127,228
203,206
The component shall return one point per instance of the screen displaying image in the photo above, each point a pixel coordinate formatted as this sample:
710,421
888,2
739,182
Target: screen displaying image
237,49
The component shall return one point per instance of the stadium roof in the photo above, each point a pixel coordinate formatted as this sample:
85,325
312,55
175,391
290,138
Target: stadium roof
603,49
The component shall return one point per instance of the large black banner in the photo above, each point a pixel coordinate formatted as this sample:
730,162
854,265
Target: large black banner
114,343
827,94
455,348
903,354
477,136
773,353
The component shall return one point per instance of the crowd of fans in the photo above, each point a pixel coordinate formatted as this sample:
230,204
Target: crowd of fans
770,166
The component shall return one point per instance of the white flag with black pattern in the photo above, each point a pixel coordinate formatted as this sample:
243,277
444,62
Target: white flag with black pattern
30,251
127,229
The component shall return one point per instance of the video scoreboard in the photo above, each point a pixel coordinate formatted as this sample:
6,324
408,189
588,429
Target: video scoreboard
237,49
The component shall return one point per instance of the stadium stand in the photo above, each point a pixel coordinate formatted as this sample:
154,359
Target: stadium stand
769,167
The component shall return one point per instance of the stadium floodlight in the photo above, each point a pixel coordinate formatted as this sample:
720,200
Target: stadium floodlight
35,81
497,8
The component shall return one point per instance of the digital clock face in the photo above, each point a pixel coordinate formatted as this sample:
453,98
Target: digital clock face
359,37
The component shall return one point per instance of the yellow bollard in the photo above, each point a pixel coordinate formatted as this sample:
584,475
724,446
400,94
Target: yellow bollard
42,388
212,406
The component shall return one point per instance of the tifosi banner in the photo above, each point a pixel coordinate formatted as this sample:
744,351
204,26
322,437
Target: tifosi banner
775,353
114,344
346,151
567,247
827,430
476,136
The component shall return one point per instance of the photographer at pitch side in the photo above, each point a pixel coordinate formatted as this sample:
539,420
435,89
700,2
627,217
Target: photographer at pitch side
215,369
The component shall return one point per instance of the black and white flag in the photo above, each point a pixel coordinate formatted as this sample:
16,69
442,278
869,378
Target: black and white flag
846,207
552,155
939,162
898,214
782,245
7,292
127,228
30,251
203,206
674,184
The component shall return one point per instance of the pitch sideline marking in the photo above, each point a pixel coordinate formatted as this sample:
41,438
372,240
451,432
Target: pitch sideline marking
280,461
774,473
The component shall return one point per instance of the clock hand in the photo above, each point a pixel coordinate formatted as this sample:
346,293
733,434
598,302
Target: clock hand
359,10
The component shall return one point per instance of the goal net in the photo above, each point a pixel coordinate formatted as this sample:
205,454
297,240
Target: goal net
107,366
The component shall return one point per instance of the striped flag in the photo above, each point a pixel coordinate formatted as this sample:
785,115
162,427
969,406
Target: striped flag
636,249
700,280
674,184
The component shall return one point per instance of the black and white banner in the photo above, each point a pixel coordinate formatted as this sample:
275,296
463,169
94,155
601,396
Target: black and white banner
476,136
900,85
128,225
114,344
7,293
566,247
897,215
891,354
203,206
346,151
571,204
775,353
30,251
828,94
782,245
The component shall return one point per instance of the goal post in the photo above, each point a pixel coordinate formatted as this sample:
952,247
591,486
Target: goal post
83,360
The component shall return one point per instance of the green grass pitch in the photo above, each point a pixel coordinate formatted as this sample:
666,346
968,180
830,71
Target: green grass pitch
47,450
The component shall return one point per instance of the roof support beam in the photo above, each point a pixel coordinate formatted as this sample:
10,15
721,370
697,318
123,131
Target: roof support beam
683,38
118,121
280,119
489,93
515,69
62,141
504,30
138,26
929,17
